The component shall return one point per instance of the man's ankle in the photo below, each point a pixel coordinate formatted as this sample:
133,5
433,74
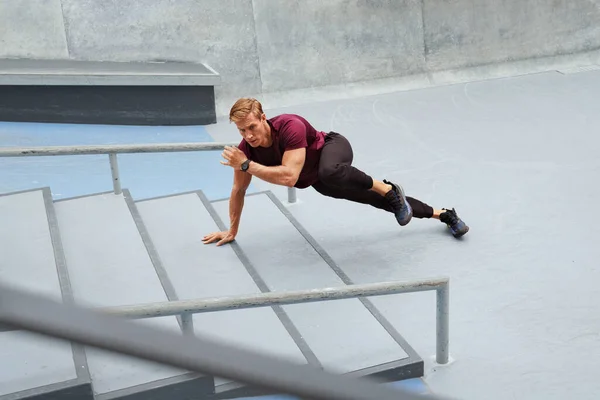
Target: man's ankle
381,187
437,213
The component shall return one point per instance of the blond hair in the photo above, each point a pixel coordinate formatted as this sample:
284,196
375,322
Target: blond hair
243,107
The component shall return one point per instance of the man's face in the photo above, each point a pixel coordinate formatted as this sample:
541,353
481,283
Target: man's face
254,130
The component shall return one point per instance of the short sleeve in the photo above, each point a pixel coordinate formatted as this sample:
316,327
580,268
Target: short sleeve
243,146
293,135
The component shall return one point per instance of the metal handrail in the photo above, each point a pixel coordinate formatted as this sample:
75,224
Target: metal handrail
200,354
113,150
93,328
186,308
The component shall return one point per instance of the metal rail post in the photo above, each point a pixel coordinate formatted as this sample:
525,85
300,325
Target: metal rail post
292,195
442,323
187,324
114,169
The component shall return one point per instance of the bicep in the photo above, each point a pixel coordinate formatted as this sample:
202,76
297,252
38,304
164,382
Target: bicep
294,159
295,146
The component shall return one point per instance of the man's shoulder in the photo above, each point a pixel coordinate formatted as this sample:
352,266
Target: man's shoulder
285,117
283,120
243,146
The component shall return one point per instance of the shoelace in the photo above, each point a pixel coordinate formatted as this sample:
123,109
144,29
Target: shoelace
452,217
394,199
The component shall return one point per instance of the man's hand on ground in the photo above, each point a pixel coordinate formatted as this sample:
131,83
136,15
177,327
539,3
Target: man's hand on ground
220,237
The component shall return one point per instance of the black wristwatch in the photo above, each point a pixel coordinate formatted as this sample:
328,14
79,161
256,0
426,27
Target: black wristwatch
245,165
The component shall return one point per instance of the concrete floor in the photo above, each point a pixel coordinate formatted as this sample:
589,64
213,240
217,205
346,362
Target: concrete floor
524,320
516,157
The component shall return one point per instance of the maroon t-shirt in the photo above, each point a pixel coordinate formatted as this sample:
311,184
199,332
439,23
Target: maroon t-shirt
290,132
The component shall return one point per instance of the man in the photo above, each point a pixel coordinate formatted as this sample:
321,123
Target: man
287,150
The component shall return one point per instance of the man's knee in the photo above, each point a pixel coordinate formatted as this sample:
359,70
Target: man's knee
334,174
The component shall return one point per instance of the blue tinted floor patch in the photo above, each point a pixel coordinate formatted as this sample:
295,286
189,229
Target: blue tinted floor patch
416,386
145,175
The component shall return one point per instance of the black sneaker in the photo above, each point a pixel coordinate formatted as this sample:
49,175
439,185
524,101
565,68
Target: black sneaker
456,225
402,210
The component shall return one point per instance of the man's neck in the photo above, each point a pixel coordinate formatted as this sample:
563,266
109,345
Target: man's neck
269,136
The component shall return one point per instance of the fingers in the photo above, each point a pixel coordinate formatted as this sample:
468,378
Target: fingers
213,237
233,155
226,156
220,237
225,240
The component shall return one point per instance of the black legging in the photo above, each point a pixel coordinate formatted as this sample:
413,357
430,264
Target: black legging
340,180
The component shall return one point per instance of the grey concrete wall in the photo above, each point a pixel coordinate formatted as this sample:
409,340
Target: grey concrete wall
218,32
267,45
32,29
315,43
460,33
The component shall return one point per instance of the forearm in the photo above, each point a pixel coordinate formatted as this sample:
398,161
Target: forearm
236,204
278,175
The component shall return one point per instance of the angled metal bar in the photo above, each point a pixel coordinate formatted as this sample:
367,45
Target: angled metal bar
93,328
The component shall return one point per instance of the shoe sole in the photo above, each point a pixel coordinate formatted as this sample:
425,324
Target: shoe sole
460,234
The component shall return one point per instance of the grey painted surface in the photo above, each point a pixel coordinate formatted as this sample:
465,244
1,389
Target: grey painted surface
463,33
61,72
27,262
109,266
343,334
32,29
176,226
316,43
217,32
523,319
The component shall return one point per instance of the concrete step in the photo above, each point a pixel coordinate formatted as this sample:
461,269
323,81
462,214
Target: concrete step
175,226
109,265
32,366
347,336
107,92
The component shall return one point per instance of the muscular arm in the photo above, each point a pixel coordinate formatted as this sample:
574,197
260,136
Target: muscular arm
241,181
285,174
